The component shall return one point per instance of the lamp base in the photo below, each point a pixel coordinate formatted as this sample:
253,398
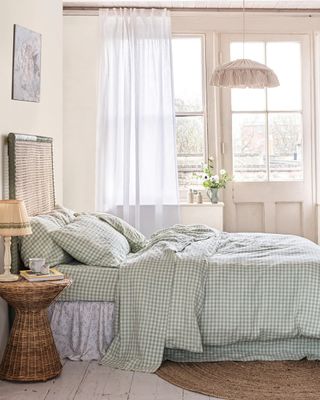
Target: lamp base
8,277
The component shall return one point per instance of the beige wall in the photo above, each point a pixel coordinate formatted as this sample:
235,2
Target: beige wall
44,118
80,55
80,81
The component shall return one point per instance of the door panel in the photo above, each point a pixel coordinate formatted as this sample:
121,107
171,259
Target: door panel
289,218
250,217
269,208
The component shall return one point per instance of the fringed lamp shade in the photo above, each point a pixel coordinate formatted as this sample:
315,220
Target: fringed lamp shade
244,73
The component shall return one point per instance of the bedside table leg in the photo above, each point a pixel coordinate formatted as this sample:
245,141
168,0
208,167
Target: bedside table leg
31,354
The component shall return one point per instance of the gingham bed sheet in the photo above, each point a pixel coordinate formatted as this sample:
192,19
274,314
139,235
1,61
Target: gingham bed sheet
89,283
194,290
272,350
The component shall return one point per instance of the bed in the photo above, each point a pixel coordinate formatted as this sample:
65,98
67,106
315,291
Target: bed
191,293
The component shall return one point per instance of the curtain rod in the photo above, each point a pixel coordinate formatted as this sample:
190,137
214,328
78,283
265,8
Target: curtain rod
203,9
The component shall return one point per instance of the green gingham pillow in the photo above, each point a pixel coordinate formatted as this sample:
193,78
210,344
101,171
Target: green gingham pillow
64,214
135,238
92,242
40,243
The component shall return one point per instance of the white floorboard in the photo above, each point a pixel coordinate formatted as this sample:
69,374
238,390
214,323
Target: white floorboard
67,384
102,382
151,387
90,381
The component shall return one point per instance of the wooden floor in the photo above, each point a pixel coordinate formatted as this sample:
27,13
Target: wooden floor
82,380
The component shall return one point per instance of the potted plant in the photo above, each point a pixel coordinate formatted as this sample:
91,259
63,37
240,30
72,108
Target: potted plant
213,181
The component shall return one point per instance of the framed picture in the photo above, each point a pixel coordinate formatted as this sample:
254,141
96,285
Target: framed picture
26,65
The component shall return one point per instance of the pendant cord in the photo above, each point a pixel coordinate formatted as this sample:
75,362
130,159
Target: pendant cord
243,26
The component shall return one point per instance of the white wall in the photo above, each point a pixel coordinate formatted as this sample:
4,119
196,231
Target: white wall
44,118
80,78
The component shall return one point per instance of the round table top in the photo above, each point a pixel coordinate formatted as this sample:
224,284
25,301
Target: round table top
23,284
23,294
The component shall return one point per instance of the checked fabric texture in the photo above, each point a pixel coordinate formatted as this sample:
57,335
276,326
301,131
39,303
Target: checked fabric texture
89,283
40,243
92,242
193,293
135,238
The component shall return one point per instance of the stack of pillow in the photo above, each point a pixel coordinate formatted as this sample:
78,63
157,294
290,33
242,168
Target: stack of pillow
97,239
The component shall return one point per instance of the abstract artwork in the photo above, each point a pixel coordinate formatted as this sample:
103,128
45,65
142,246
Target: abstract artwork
26,65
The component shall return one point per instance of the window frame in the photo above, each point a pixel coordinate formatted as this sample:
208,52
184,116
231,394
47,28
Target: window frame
204,112
305,111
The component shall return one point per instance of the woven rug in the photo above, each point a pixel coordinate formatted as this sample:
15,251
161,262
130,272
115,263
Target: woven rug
276,380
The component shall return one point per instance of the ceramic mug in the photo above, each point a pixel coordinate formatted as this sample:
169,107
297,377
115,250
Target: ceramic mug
38,265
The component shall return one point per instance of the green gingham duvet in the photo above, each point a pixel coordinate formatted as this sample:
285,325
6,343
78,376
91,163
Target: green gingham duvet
194,293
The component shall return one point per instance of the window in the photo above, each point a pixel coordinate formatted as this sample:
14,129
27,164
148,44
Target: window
188,74
267,123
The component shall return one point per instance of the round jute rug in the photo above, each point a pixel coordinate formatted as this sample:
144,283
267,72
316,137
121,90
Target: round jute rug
256,380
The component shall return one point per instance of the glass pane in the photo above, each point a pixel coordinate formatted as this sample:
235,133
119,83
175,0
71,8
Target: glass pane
249,147
285,59
285,146
187,73
190,149
248,99
253,50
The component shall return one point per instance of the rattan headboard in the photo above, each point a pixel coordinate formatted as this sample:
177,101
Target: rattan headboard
31,176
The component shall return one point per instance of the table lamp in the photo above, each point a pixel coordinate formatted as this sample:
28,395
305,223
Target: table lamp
14,221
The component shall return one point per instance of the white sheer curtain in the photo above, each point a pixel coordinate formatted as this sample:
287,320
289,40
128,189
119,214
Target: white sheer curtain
136,147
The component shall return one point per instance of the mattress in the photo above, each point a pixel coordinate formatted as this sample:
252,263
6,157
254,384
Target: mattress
89,283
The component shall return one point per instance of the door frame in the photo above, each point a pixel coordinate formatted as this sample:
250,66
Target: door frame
309,148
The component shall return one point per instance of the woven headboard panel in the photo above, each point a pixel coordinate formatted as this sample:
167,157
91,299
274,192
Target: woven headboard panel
31,179
31,176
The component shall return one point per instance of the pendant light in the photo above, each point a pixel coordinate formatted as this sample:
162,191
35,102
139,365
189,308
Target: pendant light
244,73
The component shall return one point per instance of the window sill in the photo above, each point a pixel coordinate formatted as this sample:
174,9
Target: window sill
204,204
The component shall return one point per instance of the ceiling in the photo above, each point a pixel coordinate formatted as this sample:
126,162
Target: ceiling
223,4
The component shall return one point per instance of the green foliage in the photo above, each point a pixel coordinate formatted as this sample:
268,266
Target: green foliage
210,179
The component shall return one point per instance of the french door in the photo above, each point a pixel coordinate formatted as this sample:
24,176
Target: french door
268,140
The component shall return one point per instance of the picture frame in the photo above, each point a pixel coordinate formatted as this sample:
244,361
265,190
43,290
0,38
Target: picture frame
26,68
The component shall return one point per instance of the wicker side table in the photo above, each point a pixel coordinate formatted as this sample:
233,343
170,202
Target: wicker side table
31,354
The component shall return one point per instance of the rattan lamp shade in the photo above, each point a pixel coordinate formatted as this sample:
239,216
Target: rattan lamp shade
244,73
14,219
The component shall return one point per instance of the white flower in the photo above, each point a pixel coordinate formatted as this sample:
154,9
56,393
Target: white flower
205,166
215,178
223,171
